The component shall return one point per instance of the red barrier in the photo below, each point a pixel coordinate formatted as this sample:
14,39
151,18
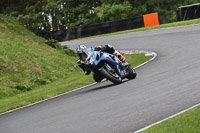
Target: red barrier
151,19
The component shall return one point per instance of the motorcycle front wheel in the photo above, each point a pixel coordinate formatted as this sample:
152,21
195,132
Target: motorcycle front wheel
111,75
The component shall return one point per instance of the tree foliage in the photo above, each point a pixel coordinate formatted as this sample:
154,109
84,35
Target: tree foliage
52,15
114,11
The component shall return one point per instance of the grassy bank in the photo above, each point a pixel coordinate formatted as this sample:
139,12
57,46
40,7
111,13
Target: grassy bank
175,24
30,70
188,122
26,61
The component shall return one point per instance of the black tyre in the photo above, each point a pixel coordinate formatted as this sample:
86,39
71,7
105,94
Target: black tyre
132,73
113,77
97,77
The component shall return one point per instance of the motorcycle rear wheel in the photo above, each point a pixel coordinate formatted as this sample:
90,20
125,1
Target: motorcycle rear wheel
132,73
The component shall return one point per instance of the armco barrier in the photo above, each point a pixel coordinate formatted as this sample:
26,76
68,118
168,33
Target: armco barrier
108,27
188,12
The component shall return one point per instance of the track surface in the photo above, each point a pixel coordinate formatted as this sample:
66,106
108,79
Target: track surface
162,88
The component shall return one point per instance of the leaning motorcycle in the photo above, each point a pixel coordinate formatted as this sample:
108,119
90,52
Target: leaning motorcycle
105,65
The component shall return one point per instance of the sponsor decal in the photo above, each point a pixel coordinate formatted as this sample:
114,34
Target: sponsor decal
91,60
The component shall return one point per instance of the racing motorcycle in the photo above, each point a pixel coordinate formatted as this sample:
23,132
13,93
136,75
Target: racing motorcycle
105,65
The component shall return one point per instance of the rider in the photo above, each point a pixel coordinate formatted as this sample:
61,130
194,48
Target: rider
82,49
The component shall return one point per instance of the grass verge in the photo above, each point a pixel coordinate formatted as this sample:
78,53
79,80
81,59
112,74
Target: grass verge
188,122
174,24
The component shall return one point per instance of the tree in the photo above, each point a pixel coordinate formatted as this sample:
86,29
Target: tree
113,11
52,15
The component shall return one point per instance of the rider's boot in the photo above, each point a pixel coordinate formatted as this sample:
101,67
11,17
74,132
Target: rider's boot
121,58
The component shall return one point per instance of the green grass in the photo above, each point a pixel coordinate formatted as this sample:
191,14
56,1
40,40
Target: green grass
175,24
188,122
25,59
30,70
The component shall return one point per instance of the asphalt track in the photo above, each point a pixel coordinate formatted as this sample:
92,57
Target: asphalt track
163,87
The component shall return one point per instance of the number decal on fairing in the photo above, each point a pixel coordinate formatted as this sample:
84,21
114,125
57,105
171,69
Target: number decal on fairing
91,60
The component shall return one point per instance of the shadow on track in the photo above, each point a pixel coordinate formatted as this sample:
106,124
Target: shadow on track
93,88
102,85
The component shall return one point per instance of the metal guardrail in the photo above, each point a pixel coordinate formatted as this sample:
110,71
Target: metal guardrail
188,12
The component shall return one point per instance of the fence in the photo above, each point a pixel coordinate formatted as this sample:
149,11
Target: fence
102,28
188,12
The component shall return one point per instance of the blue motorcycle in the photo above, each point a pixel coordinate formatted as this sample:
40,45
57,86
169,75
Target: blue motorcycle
105,65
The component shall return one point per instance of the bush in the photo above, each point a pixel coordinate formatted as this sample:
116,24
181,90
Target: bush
23,87
55,44
68,51
41,80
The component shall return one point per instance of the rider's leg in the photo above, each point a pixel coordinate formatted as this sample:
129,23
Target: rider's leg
111,50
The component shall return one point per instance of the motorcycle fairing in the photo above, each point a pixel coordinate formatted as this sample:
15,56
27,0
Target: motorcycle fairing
95,57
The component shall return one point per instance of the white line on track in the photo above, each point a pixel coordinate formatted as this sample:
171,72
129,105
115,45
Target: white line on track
141,51
47,99
140,130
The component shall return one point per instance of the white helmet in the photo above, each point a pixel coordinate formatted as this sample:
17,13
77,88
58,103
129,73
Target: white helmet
82,52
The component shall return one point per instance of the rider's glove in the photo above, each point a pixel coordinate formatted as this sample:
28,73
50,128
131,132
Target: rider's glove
82,66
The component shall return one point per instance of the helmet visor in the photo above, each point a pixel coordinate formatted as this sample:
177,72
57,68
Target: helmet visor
85,54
